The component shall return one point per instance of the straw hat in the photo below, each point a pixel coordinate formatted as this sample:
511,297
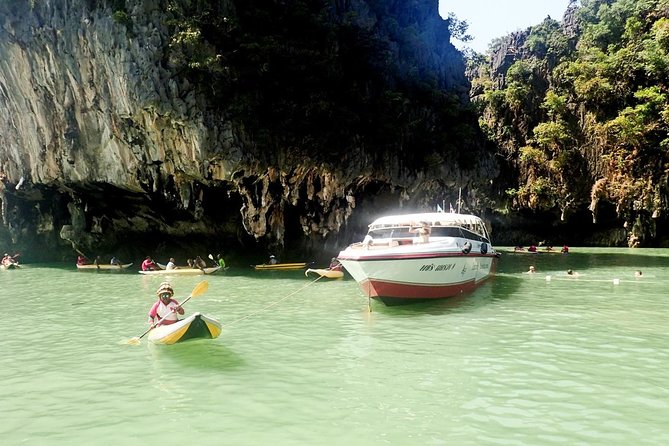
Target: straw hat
165,287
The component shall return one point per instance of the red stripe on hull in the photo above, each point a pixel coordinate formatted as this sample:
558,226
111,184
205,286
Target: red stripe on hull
407,292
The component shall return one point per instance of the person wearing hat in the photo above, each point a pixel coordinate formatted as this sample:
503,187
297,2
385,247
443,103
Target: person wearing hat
9,260
273,260
166,307
335,265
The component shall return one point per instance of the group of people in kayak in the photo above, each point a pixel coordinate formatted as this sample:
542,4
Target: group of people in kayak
546,248
8,260
149,265
83,260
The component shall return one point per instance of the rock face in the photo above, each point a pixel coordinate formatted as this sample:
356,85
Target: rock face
106,147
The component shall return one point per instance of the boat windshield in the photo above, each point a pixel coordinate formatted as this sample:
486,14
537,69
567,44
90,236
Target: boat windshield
472,232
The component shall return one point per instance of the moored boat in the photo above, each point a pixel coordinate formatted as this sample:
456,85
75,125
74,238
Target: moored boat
281,266
394,265
181,271
105,266
195,326
326,272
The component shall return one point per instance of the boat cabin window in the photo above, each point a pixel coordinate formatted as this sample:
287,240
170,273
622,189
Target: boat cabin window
472,232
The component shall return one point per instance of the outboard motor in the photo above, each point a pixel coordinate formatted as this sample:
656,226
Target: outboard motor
484,248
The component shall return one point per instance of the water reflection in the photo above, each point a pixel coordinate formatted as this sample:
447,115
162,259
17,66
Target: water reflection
198,354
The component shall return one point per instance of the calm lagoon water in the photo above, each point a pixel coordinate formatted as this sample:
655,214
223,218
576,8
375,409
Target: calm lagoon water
522,361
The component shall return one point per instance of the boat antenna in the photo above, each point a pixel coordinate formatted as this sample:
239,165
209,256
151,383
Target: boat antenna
459,198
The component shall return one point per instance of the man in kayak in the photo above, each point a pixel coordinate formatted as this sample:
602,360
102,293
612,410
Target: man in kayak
171,265
199,263
335,265
148,264
9,260
165,307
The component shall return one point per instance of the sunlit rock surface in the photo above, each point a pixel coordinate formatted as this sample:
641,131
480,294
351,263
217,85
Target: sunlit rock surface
107,149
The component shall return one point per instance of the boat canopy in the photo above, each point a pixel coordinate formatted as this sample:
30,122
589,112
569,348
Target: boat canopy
469,222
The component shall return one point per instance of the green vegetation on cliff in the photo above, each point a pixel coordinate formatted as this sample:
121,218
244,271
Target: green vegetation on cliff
581,112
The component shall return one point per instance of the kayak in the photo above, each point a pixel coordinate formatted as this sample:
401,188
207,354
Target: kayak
181,271
195,326
327,273
280,266
10,266
511,251
104,266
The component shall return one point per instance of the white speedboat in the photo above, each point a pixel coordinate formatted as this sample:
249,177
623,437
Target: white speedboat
398,262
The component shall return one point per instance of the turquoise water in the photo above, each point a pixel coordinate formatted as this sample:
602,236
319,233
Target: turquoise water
522,361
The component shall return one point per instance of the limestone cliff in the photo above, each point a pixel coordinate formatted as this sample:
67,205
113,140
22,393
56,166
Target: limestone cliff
115,140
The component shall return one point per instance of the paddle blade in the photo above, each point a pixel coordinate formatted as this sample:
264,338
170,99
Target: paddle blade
133,341
211,257
200,289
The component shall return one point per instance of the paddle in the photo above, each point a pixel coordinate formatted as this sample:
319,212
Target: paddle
199,290
216,262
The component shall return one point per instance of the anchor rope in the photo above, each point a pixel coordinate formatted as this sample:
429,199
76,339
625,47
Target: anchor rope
272,304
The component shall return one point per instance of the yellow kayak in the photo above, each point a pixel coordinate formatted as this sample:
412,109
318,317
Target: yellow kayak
195,326
180,271
105,266
281,266
327,273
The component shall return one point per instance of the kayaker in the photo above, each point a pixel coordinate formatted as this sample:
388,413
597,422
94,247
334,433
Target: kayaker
335,265
148,264
220,261
170,265
82,260
9,260
273,260
115,261
199,263
166,307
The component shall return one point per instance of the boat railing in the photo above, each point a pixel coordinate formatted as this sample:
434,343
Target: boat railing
385,243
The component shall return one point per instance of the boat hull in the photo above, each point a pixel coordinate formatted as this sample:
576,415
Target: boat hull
406,273
327,273
195,326
280,266
104,266
181,271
